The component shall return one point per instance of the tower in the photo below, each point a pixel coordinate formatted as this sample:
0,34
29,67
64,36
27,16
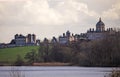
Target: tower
68,34
16,36
33,38
29,38
100,26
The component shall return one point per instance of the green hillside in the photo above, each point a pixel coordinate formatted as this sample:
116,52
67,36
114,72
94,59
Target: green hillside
10,54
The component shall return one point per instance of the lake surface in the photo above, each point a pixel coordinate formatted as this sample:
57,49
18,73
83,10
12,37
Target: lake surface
47,71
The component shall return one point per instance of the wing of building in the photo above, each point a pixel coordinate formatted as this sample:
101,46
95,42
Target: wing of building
99,32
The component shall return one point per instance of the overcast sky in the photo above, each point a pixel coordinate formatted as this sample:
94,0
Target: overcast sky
48,18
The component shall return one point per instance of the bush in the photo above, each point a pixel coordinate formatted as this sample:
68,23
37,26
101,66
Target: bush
31,57
19,61
61,54
114,73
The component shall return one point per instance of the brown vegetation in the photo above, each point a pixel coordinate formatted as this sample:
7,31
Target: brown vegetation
114,73
15,72
51,64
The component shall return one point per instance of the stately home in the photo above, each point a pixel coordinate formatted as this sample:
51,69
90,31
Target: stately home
99,32
21,40
66,38
92,34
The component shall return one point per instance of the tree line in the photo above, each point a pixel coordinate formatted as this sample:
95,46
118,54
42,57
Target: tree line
103,52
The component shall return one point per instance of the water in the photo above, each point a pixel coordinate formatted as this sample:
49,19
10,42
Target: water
63,71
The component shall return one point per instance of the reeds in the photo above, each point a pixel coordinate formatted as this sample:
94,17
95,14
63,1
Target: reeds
114,73
15,72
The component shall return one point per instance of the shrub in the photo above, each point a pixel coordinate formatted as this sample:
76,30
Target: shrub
114,73
19,61
31,57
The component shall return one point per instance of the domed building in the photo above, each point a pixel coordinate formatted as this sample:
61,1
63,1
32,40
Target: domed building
97,34
100,26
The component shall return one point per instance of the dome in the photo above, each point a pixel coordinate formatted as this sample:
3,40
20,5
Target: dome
100,23
100,26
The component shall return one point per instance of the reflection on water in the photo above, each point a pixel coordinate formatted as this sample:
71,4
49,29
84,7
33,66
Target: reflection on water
66,71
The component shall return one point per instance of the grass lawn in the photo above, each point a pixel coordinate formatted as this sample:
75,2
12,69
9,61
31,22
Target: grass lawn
10,54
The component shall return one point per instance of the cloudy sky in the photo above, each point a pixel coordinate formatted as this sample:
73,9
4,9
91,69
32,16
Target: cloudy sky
48,18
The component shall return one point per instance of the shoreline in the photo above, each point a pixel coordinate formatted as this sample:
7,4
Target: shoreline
55,64
41,64
51,64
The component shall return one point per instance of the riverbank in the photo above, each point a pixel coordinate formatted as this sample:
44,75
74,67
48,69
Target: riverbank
40,64
52,64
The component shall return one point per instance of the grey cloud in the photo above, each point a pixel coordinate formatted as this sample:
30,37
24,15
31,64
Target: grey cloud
52,17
